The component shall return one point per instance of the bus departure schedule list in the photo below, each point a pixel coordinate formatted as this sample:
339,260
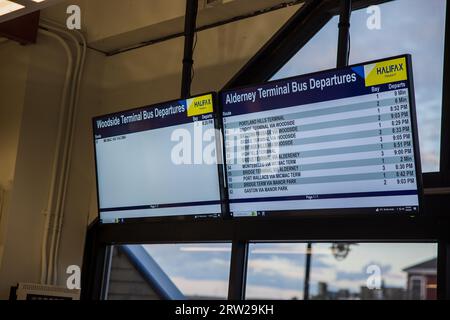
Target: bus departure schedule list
335,140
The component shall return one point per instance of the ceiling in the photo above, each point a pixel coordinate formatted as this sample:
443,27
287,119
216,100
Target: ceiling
111,25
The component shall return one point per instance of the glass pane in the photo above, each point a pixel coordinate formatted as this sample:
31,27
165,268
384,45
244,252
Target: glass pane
364,271
416,27
181,271
275,271
318,54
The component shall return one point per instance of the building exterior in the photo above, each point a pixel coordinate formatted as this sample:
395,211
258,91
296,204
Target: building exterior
422,280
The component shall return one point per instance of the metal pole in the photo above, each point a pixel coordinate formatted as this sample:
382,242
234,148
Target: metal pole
307,271
189,33
344,33
238,270
95,269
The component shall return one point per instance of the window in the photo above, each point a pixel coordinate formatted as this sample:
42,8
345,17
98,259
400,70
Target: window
318,54
275,271
416,27
170,271
416,285
368,271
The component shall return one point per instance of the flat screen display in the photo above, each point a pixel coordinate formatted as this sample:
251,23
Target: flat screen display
158,161
337,141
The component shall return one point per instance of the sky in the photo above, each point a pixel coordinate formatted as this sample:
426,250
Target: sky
415,27
277,270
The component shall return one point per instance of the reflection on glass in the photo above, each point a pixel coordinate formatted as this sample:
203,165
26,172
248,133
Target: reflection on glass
367,271
180,271
276,271
402,33
200,271
318,54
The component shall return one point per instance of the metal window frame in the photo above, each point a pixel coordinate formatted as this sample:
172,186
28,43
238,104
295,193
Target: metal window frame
433,227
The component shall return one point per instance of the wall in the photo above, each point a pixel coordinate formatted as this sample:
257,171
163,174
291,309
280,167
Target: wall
106,18
135,78
24,218
14,71
80,208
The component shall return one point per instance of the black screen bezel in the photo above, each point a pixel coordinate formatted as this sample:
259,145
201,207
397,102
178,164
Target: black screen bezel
343,212
180,217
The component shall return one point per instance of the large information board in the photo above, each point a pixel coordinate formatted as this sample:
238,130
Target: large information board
338,141
158,161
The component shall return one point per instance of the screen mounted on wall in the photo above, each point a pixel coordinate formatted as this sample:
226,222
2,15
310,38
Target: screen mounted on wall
158,161
337,141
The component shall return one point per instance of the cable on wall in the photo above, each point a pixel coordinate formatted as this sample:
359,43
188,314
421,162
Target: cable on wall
63,151
80,45
50,211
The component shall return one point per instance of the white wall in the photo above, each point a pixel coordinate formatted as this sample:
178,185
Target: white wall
24,219
81,188
13,76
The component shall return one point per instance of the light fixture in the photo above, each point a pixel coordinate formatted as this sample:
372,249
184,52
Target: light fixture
7,6
38,1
